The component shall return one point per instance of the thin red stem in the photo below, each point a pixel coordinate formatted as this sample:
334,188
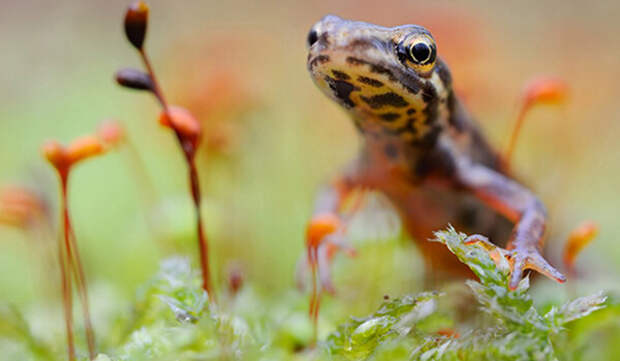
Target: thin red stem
156,88
63,257
75,265
514,136
202,239
315,320
189,152
80,277
314,298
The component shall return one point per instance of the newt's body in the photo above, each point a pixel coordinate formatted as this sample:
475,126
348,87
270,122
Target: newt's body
420,147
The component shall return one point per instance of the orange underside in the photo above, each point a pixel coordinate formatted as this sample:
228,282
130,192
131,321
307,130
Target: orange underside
426,209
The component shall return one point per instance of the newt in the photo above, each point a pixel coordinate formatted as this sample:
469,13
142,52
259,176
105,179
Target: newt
420,148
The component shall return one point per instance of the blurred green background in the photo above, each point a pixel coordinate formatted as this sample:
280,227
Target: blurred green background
272,138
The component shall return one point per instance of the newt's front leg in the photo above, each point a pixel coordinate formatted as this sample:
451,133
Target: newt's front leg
517,204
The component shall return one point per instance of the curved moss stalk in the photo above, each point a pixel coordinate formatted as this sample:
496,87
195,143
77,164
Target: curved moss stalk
188,146
184,126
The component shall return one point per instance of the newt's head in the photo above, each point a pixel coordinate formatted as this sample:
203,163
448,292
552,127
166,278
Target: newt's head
390,79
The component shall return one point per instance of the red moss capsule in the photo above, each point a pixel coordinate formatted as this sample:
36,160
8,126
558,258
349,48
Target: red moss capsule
136,21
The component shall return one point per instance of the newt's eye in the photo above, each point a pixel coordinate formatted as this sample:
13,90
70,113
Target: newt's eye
422,53
418,51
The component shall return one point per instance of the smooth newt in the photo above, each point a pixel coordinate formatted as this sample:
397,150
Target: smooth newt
420,146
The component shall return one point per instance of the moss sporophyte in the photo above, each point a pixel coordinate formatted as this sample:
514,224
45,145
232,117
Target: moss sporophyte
64,159
186,128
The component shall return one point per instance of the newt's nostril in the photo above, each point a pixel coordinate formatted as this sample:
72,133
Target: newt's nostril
312,37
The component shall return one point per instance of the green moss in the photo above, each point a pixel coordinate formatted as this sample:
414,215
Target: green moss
171,319
515,330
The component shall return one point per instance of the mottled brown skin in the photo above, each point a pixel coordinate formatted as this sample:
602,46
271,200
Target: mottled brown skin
420,147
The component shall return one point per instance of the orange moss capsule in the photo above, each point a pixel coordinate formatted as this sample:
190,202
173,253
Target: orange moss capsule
578,239
320,226
19,206
545,90
55,153
111,133
541,90
182,120
84,147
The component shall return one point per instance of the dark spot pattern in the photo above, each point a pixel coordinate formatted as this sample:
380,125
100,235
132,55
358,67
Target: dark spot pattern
420,131
377,69
342,90
341,75
390,117
360,44
320,59
324,39
428,95
411,122
412,89
413,85
370,81
385,99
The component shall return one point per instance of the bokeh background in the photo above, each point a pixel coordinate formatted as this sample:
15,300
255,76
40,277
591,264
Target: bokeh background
271,138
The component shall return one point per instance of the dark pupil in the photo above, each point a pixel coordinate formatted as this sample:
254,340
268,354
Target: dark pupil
420,52
312,37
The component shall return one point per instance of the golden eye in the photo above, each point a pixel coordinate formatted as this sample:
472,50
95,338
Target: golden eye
420,51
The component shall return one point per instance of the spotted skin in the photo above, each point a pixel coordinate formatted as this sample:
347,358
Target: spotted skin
420,146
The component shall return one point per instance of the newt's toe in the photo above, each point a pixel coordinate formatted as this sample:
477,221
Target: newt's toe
534,261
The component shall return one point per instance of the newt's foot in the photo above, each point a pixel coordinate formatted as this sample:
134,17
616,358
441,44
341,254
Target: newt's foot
520,259
530,258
